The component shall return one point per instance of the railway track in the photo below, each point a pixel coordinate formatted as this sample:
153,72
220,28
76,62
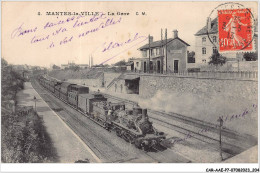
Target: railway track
75,120
212,129
157,155
233,142
109,149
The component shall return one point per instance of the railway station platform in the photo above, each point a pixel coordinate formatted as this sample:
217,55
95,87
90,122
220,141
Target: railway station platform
69,146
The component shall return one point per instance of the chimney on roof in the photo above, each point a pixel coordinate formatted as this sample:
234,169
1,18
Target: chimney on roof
208,24
175,33
150,39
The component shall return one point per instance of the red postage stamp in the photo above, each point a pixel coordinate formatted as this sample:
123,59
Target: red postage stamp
235,30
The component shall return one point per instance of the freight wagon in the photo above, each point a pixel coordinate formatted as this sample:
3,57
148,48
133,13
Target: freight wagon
74,92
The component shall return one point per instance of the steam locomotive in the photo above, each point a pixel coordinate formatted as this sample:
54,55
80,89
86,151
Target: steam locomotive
133,125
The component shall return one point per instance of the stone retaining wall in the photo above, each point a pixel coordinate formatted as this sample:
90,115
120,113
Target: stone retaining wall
236,89
108,77
204,99
88,82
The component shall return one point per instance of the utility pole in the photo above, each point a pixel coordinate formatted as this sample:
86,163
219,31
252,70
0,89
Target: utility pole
34,103
149,54
162,49
166,49
238,65
220,120
89,61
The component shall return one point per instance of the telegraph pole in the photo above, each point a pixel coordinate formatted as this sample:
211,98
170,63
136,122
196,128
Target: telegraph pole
166,49
238,65
220,120
34,103
149,54
162,50
89,61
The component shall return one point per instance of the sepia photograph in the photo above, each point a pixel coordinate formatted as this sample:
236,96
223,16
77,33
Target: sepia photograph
130,82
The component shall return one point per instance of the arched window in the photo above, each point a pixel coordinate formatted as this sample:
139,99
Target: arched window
203,39
204,50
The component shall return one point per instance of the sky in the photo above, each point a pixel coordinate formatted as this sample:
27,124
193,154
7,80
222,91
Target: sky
43,40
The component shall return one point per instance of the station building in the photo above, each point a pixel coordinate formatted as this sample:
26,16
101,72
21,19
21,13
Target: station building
176,56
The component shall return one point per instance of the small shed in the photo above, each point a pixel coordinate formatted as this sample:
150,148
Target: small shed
132,84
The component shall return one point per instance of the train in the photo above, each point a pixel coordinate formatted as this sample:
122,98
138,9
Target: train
133,125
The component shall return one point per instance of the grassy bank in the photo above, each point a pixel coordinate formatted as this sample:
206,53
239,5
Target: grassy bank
25,140
24,137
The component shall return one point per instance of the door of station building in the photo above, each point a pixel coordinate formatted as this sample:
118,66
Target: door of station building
144,67
158,67
176,66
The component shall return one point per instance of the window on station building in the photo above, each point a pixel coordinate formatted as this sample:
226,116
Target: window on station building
203,39
214,39
137,64
145,53
204,50
157,51
152,52
215,50
204,61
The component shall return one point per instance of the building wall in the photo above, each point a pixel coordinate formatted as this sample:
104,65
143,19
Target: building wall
209,48
128,67
155,65
232,66
88,82
199,57
109,77
150,84
204,99
118,87
137,64
154,52
176,50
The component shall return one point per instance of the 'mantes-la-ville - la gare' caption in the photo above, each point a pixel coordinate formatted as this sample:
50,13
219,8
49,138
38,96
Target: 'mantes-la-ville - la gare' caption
88,13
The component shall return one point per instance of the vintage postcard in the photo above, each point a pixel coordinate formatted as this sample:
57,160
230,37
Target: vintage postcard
130,82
